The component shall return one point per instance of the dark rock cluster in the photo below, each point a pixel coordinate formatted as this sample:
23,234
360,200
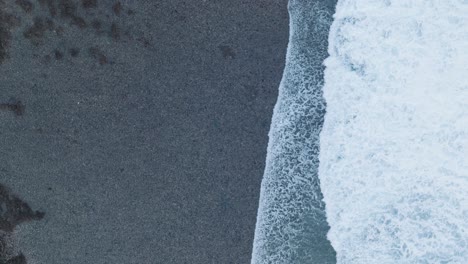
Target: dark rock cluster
51,19
13,211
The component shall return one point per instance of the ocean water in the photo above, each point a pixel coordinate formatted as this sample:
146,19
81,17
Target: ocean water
291,225
394,145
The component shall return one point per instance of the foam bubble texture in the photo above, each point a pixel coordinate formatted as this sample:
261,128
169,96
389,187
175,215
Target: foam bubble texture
291,225
394,145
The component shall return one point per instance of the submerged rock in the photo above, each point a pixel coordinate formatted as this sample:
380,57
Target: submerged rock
13,211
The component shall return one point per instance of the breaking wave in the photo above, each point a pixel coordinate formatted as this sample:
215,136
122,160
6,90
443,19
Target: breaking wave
394,145
291,225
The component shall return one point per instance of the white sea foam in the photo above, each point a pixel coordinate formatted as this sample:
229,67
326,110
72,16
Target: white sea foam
291,225
394,146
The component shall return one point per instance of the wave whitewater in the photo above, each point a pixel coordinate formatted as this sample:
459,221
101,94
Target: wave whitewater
291,225
394,145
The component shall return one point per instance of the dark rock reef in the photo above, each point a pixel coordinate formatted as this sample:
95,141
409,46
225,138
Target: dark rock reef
15,106
53,22
13,211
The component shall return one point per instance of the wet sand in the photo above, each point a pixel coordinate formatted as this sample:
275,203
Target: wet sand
138,129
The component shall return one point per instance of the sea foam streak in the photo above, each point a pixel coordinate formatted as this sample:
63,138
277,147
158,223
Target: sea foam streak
291,225
394,145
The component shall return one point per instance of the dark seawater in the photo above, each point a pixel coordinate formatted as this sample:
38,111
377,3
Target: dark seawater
291,222
137,127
